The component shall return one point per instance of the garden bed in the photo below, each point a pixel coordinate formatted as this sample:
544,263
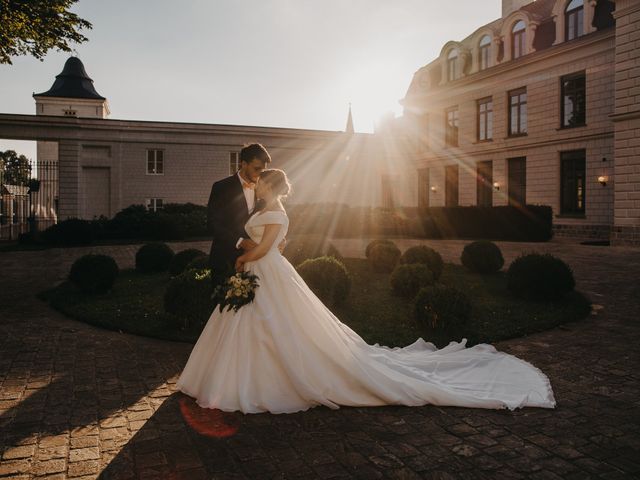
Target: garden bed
135,305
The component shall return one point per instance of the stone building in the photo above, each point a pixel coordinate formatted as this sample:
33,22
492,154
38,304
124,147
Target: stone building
541,106
104,165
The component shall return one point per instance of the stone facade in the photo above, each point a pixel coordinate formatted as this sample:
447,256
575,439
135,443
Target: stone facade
604,55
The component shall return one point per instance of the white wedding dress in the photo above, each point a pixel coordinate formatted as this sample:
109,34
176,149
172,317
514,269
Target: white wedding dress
286,352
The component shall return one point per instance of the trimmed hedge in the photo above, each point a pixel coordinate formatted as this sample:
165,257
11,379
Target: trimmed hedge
482,256
426,255
199,263
384,257
188,297
328,278
94,273
442,308
153,257
377,242
72,232
407,280
540,277
531,223
182,259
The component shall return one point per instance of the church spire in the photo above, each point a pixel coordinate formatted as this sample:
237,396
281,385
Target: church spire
349,128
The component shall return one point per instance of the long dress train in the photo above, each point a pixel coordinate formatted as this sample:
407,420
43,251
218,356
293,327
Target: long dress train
286,352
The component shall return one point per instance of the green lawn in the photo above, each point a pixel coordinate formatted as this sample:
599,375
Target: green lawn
135,305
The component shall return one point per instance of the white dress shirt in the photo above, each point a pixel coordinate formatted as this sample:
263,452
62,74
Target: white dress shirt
250,196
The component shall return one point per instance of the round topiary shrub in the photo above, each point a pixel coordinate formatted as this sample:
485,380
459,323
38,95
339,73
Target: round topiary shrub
442,308
153,257
384,257
188,297
182,259
375,243
482,257
94,273
328,278
407,280
426,255
199,263
540,277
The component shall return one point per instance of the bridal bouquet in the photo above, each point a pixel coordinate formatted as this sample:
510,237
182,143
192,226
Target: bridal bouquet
236,291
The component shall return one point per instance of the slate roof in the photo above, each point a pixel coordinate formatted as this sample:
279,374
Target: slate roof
72,82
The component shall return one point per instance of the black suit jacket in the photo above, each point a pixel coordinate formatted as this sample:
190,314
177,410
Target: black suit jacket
226,216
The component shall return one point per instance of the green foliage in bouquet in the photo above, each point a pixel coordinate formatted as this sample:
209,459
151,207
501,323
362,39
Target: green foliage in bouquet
236,291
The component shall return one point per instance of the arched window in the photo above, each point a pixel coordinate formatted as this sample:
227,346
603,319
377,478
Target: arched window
485,52
452,60
574,19
518,39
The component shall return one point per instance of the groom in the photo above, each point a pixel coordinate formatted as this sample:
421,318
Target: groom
230,204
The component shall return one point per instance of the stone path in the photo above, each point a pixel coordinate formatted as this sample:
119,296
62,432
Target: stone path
81,402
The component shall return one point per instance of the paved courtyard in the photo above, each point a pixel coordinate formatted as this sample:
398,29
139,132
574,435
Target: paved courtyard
81,402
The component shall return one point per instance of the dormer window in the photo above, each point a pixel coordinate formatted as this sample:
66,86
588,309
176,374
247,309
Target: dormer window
574,19
518,39
485,52
452,68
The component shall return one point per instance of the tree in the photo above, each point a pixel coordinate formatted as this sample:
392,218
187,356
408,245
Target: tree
14,169
33,27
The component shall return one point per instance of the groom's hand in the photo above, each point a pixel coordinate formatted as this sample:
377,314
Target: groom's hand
248,244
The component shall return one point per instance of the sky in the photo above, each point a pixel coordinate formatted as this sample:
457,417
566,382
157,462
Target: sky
278,63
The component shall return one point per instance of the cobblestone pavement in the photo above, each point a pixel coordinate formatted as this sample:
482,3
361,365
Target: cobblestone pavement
81,402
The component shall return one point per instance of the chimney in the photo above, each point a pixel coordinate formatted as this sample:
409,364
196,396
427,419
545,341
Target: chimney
510,6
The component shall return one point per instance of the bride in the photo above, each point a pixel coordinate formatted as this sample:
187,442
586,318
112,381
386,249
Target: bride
286,352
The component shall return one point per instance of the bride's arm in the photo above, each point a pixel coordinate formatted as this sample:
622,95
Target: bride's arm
269,236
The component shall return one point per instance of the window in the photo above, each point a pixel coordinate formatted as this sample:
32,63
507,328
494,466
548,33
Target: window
451,186
155,162
485,119
451,128
70,113
485,52
154,204
574,20
572,182
423,188
518,112
573,102
484,181
234,162
517,188
518,39
452,69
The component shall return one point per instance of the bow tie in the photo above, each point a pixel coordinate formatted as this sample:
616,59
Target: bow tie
250,186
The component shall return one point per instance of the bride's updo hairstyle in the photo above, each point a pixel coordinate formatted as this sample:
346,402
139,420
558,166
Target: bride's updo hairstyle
277,180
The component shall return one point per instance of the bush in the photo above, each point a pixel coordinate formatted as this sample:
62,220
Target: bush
383,257
153,257
442,308
539,277
407,280
328,278
71,232
182,259
199,263
482,256
305,247
426,255
188,297
375,243
94,273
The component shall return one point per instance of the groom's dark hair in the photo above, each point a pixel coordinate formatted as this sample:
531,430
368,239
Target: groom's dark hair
255,150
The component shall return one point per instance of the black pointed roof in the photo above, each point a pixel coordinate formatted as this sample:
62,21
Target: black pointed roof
72,82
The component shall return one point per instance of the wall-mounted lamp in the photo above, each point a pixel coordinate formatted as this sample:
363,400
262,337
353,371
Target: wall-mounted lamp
496,186
603,180
434,189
